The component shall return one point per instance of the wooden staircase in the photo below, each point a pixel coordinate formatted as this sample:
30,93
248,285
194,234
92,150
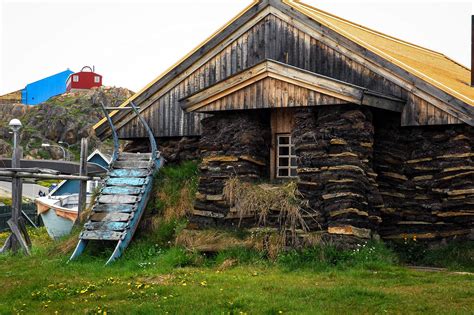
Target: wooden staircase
121,203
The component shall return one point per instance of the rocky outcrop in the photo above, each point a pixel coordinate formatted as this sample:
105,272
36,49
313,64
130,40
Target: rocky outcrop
67,117
232,144
5,147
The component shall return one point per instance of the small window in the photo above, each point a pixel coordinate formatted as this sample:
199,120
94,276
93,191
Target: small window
286,159
96,79
75,78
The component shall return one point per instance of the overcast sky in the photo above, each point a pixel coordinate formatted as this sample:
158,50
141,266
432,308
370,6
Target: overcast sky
132,42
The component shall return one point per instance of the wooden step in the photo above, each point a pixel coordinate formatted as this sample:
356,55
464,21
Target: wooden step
128,154
106,226
131,164
134,157
129,173
121,190
102,235
110,217
118,199
125,181
113,208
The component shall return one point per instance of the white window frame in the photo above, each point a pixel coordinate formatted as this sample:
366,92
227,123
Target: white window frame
75,78
96,79
291,156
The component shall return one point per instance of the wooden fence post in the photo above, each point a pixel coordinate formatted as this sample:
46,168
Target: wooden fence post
83,183
19,237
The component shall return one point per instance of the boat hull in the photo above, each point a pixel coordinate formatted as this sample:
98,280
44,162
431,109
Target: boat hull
58,214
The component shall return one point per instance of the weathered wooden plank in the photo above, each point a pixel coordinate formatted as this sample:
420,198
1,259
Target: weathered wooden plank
101,235
111,217
125,181
105,226
121,190
118,199
131,164
134,156
128,173
113,208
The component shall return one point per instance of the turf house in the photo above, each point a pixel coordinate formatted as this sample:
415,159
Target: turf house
375,133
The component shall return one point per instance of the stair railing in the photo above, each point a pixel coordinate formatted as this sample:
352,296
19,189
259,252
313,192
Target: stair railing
114,134
151,137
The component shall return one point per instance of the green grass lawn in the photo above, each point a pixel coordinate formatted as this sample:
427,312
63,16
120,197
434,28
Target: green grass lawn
151,279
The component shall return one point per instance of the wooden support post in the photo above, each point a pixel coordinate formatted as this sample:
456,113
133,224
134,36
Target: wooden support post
19,237
83,183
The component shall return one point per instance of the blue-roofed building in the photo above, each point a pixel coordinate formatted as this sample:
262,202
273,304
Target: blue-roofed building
41,90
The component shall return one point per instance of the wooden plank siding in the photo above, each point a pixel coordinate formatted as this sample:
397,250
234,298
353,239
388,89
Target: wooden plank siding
270,93
418,112
270,38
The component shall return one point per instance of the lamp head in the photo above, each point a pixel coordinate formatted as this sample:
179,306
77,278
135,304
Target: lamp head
15,124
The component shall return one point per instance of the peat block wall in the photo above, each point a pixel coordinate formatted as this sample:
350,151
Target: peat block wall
362,173
335,151
232,144
426,178
174,150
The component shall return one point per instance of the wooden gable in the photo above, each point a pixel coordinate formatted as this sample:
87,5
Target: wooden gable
270,30
272,84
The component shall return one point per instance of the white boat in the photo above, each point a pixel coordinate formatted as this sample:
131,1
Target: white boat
58,213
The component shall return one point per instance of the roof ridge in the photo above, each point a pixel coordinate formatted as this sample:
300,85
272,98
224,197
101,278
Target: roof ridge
365,28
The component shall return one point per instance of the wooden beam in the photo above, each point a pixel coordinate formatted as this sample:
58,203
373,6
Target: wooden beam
11,174
472,50
16,233
83,183
383,102
63,167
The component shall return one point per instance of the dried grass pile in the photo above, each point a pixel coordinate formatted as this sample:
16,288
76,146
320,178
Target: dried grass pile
261,200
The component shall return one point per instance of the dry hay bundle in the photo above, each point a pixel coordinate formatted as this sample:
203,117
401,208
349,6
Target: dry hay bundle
249,199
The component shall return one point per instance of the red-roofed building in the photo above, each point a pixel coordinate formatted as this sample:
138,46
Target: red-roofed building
84,80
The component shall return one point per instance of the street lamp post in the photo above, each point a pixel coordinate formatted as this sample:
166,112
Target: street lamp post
15,125
68,149
47,145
